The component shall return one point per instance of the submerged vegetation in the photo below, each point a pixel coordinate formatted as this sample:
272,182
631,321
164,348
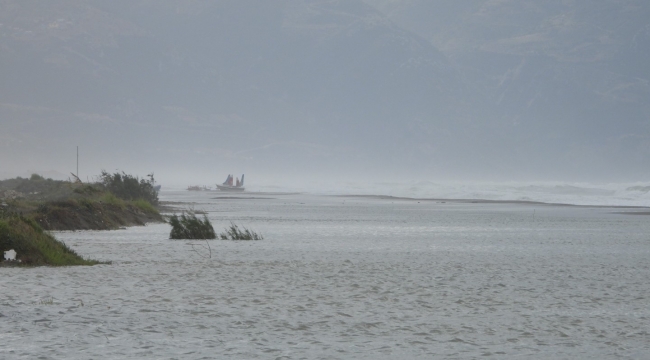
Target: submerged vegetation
190,227
233,232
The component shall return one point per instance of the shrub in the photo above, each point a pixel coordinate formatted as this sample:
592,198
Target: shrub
234,233
129,187
191,227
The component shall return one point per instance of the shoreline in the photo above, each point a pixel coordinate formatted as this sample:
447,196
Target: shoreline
166,206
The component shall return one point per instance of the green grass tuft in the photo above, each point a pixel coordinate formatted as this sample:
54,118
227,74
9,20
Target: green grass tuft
233,232
110,199
145,206
191,227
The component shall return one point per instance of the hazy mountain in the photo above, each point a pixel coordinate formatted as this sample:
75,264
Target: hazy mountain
568,74
438,88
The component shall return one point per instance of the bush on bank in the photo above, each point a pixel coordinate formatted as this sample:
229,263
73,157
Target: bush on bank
129,187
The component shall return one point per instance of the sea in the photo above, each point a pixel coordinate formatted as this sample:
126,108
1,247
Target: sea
421,272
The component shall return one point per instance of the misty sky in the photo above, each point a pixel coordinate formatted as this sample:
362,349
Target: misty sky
193,90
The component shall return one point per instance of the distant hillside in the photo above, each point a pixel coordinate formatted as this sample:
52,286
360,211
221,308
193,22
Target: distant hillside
573,73
436,87
314,77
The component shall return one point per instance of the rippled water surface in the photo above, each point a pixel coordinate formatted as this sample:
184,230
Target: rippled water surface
348,278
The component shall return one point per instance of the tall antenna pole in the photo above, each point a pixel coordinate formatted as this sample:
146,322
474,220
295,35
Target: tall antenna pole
77,161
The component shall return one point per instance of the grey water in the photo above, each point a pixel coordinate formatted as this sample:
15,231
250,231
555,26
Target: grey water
344,277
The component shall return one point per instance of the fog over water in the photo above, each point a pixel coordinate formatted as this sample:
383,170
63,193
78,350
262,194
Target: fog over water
296,93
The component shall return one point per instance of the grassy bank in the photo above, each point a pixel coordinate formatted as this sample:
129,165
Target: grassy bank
60,205
35,247
30,207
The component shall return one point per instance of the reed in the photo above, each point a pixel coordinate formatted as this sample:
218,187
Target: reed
233,232
188,226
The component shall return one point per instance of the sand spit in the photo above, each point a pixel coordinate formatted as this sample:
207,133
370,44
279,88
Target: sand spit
486,201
